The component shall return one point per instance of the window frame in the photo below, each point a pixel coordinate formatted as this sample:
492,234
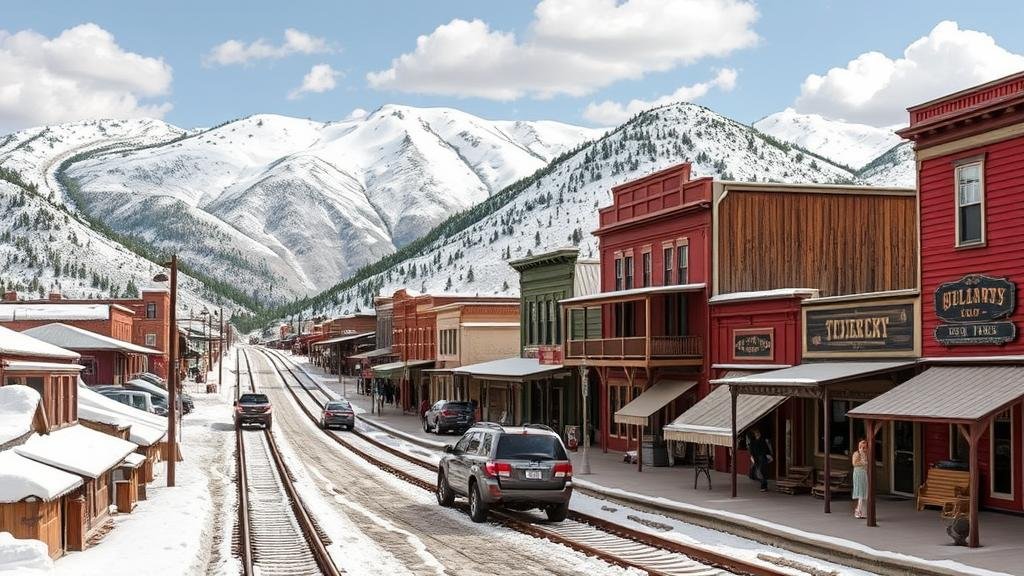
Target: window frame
618,273
683,256
628,265
959,165
668,264
992,457
646,268
151,311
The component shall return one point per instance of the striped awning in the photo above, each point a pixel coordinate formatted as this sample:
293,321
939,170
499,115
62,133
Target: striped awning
710,420
639,411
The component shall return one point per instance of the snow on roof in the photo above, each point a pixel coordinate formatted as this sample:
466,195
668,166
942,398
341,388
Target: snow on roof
140,431
79,339
515,367
764,295
18,344
134,460
77,449
343,338
24,556
18,406
54,311
26,366
22,478
89,397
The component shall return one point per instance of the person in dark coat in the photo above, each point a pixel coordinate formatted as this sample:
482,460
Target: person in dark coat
760,452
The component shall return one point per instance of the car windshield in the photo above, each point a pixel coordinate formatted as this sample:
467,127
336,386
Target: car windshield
253,399
529,447
463,406
338,406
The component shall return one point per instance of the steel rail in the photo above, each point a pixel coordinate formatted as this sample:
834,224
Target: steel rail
699,554
304,521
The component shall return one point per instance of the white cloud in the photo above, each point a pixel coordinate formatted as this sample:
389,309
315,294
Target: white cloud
875,89
80,74
357,113
320,78
609,113
572,47
238,52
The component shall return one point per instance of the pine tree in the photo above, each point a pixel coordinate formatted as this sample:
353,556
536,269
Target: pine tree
469,275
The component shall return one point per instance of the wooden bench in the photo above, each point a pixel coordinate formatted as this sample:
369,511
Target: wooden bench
840,484
798,480
943,486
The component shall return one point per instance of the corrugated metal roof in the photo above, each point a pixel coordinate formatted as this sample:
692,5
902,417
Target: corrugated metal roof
954,393
587,278
710,420
76,338
816,373
651,400
515,368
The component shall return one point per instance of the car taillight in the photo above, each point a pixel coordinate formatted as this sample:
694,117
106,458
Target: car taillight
447,413
563,470
267,409
238,408
498,469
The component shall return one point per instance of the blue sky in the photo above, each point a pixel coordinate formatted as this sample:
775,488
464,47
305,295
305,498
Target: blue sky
794,39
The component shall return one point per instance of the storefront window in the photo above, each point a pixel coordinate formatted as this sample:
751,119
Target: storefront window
1002,455
845,432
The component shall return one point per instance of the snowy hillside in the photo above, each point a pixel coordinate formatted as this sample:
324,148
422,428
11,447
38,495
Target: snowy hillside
286,207
558,206
896,167
852,145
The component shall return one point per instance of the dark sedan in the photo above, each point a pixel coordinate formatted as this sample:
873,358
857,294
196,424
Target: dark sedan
449,416
253,409
338,413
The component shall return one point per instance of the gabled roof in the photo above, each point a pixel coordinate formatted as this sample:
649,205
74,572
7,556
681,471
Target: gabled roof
79,339
11,311
22,478
77,449
20,344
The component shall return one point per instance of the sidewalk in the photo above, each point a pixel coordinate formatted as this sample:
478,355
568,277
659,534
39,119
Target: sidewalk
771,516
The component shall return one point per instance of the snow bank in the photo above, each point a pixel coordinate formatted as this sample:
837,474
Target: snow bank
23,557
17,408
21,478
77,449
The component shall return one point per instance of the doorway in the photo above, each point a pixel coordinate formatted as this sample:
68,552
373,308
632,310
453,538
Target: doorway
904,462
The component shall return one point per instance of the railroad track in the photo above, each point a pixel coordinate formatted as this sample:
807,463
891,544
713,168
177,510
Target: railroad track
275,533
588,534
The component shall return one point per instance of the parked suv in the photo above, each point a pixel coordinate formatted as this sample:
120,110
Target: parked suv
187,404
448,416
140,400
518,468
253,408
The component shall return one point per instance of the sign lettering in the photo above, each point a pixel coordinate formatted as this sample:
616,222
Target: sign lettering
753,343
845,329
975,298
976,333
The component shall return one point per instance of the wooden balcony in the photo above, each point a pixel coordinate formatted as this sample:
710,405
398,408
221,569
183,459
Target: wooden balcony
636,351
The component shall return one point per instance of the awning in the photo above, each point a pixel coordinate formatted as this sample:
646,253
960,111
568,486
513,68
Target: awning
651,400
372,354
515,369
806,379
954,394
628,295
387,370
343,339
710,420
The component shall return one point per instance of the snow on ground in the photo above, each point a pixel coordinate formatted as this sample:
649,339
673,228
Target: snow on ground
23,557
178,523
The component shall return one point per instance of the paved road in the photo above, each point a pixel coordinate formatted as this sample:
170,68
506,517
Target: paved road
421,536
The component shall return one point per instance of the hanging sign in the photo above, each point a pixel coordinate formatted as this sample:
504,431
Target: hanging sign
975,298
755,343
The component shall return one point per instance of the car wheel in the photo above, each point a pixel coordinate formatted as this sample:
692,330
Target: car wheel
323,425
426,426
477,507
557,512
445,496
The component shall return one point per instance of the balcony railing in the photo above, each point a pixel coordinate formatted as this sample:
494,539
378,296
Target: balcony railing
635,348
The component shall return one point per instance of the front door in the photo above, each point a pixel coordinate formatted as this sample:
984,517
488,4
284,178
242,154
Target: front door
904,436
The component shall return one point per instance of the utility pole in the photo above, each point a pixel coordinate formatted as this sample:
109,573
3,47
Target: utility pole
172,375
220,356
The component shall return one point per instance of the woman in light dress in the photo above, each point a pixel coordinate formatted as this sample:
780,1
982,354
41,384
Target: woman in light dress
860,478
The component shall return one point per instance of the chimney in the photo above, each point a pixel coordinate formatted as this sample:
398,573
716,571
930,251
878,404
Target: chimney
10,296
54,296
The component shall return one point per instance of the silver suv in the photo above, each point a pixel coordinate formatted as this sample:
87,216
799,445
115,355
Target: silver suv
519,468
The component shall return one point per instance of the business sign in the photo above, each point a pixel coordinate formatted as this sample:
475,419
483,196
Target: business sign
550,355
861,329
753,343
976,308
975,298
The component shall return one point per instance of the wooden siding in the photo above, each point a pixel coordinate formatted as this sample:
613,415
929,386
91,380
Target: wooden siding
837,243
34,520
942,262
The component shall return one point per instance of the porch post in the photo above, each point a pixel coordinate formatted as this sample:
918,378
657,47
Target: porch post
640,448
870,427
826,419
735,438
647,329
976,429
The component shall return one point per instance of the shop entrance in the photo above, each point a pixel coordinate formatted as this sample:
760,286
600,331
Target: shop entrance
904,462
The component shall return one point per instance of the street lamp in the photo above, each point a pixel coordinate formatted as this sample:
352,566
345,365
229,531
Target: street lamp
209,362
172,373
585,388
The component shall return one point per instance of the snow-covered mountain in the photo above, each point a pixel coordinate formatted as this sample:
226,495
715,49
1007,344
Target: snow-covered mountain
558,206
849,144
286,206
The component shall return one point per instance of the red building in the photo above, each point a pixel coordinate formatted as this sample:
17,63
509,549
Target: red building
688,264
970,157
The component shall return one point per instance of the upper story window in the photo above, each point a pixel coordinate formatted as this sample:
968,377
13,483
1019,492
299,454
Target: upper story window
970,204
628,263
618,274
151,340
667,279
683,263
646,259
150,310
